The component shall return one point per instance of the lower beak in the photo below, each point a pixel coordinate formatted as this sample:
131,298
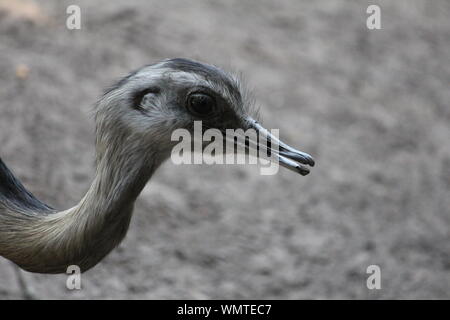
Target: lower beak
276,150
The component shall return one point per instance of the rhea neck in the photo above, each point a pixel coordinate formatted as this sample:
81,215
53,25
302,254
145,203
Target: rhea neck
104,213
120,176
86,233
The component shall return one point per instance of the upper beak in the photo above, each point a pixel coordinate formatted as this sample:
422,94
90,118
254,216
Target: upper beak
277,150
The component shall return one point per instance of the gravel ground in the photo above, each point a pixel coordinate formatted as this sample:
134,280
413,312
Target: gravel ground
371,106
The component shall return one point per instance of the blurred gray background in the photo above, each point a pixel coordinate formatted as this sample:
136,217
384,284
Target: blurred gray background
371,106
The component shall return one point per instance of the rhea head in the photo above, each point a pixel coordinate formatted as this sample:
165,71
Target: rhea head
142,110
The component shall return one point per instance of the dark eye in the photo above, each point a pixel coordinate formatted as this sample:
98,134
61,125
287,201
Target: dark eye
200,104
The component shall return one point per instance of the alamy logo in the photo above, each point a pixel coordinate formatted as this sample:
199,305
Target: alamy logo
74,279
73,21
213,146
374,280
374,20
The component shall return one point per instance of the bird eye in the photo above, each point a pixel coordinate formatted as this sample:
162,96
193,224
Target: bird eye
200,104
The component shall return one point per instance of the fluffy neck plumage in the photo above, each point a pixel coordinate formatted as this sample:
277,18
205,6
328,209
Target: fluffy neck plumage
86,233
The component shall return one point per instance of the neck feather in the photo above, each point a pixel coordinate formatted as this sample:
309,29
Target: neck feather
86,233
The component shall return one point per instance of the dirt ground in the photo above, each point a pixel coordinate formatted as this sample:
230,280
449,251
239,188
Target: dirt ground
372,106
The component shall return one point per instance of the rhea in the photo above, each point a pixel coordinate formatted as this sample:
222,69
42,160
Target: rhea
134,121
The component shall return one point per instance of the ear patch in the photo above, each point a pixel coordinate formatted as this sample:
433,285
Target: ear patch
142,97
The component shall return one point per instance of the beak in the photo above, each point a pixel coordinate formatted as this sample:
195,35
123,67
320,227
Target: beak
276,150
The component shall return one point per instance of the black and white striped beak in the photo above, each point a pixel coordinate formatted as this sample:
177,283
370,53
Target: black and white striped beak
277,150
